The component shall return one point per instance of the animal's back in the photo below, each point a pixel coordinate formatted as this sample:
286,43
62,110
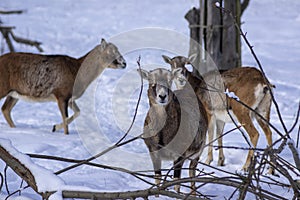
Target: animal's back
248,84
35,75
243,75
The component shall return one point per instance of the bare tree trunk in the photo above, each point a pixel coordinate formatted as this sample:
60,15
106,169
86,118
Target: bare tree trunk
230,40
219,42
213,35
193,17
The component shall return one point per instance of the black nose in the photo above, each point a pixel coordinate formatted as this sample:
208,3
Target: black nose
124,64
163,97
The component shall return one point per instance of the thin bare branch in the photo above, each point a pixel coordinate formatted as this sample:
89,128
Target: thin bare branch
244,5
137,104
36,44
137,175
295,153
114,146
9,12
296,119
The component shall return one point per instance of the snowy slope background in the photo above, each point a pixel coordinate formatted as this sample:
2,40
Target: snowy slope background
74,27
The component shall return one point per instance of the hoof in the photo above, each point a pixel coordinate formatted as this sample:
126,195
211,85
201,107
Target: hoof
12,126
54,128
221,162
271,171
208,161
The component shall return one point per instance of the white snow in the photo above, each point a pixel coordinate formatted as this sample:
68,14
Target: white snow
45,180
74,27
231,94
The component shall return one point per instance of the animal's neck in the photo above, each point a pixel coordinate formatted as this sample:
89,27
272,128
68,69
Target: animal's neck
92,64
192,79
159,109
81,59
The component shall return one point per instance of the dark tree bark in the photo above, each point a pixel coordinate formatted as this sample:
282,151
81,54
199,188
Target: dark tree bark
213,35
193,17
218,40
230,43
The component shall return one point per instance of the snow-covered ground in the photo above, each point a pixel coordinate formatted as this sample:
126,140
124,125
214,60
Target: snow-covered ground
74,27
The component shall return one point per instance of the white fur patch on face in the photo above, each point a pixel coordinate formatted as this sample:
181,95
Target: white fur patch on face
189,68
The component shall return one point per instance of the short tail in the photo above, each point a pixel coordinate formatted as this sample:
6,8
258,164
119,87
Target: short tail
267,87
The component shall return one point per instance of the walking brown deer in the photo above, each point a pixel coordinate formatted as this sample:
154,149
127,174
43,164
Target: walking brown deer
176,124
38,77
249,85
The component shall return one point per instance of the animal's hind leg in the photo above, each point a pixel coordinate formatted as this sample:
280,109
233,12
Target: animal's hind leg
63,107
8,105
69,120
220,128
192,174
264,110
211,132
244,118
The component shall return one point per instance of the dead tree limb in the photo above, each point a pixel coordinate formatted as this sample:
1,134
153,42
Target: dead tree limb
8,12
124,195
36,44
18,167
7,33
295,153
5,30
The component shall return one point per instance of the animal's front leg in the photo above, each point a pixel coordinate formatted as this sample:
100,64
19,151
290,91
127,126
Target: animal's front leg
69,120
211,132
177,171
156,161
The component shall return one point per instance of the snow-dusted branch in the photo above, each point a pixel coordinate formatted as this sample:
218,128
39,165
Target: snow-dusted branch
125,195
39,179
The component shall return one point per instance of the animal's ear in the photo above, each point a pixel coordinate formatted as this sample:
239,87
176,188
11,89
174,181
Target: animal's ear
167,59
143,73
176,72
192,58
103,43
